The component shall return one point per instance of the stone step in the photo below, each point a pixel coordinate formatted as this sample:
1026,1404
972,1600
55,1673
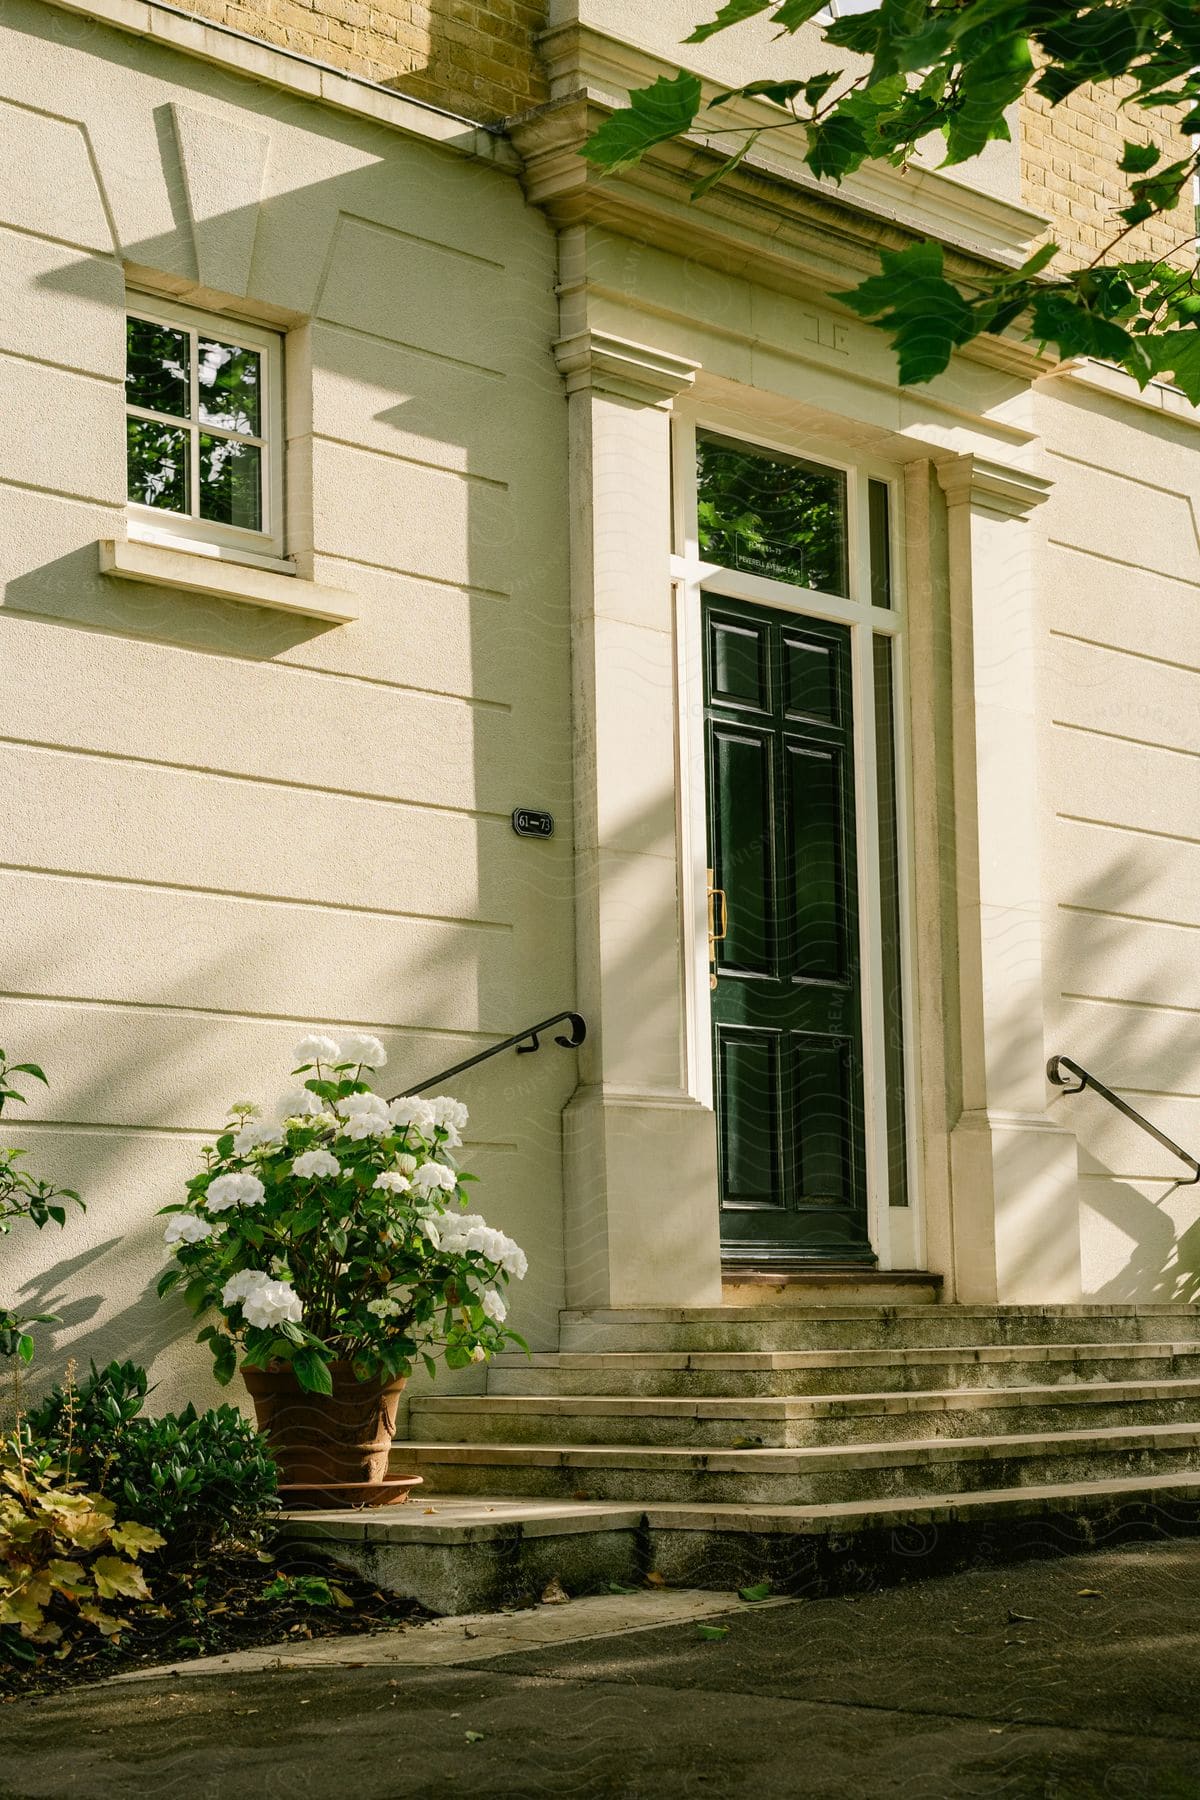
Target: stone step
794,1423
750,1373
459,1553
801,1477
733,1328
824,1286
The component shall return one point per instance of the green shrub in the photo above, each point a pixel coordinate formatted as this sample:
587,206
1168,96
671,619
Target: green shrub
200,1479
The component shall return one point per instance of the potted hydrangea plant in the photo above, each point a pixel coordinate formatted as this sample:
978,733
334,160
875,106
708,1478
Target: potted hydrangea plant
329,1234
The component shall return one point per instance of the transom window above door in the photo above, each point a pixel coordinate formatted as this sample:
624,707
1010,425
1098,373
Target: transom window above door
202,402
769,513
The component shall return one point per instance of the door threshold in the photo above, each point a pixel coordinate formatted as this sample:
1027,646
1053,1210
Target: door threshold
767,1284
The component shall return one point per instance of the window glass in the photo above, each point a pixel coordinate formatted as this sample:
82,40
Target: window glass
156,368
879,523
772,514
890,919
228,379
196,424
158,464
230,482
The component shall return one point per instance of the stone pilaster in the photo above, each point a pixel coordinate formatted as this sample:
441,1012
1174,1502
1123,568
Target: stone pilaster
641,1222
1014,1173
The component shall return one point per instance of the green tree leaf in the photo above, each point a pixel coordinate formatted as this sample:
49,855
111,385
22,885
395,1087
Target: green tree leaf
780,91
1136,159
732,13
925,314
836,146
989,84
654,114
1177,353
731,162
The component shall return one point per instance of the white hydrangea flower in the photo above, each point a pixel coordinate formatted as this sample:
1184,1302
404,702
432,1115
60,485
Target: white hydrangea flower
514,1262
317,1048
238,1286
391,1182
405,1163
384,1309
365,1125
360,1047
492,1302
299,1103
186,1228
471,1232
448,1111
255,1134
234,1190
316,1162
409,1109
271,1303
432,1175
356,1106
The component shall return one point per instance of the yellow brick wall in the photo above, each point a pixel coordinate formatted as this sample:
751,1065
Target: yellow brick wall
1069,156
475,57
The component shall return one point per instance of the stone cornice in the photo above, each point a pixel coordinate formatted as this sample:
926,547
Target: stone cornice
765,227
991,487
1162,398
615,365
581,61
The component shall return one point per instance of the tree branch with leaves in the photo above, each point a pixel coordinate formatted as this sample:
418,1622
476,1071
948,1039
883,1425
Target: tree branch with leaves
25,1196
954,67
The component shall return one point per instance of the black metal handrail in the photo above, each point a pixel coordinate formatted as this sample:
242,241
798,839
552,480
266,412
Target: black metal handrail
524,1042
1085,1079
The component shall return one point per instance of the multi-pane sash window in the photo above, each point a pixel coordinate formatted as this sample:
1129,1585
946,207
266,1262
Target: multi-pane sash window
201,401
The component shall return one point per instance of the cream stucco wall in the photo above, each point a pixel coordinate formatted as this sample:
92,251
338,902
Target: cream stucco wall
1119,582
222,823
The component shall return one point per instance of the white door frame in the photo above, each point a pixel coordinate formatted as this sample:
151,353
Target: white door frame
896,1233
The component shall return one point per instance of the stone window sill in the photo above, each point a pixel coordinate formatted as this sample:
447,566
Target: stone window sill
192,572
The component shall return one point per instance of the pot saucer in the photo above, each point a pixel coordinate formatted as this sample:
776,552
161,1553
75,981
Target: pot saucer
393,1490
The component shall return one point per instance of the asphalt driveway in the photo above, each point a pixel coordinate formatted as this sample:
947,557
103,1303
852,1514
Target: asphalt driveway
1077,1679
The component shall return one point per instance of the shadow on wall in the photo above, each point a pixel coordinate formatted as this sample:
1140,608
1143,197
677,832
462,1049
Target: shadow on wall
1128,1012
345,857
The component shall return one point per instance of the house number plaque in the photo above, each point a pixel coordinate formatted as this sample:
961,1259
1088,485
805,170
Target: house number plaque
528,823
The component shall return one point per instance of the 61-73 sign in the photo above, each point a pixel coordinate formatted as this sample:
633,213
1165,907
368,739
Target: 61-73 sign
527,822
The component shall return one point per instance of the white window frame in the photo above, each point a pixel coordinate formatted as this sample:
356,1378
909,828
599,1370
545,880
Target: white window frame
896,1233
233,543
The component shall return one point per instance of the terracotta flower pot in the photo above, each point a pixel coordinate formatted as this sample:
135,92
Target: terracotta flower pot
326,1440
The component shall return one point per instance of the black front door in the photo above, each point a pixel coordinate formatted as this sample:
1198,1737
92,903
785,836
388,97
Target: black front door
787,1002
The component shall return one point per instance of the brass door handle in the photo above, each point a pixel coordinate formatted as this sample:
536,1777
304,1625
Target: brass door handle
715,934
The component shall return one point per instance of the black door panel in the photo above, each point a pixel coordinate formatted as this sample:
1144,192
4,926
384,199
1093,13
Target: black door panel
787,1006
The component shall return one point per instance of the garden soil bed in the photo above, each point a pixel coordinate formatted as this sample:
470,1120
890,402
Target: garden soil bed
216,1612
